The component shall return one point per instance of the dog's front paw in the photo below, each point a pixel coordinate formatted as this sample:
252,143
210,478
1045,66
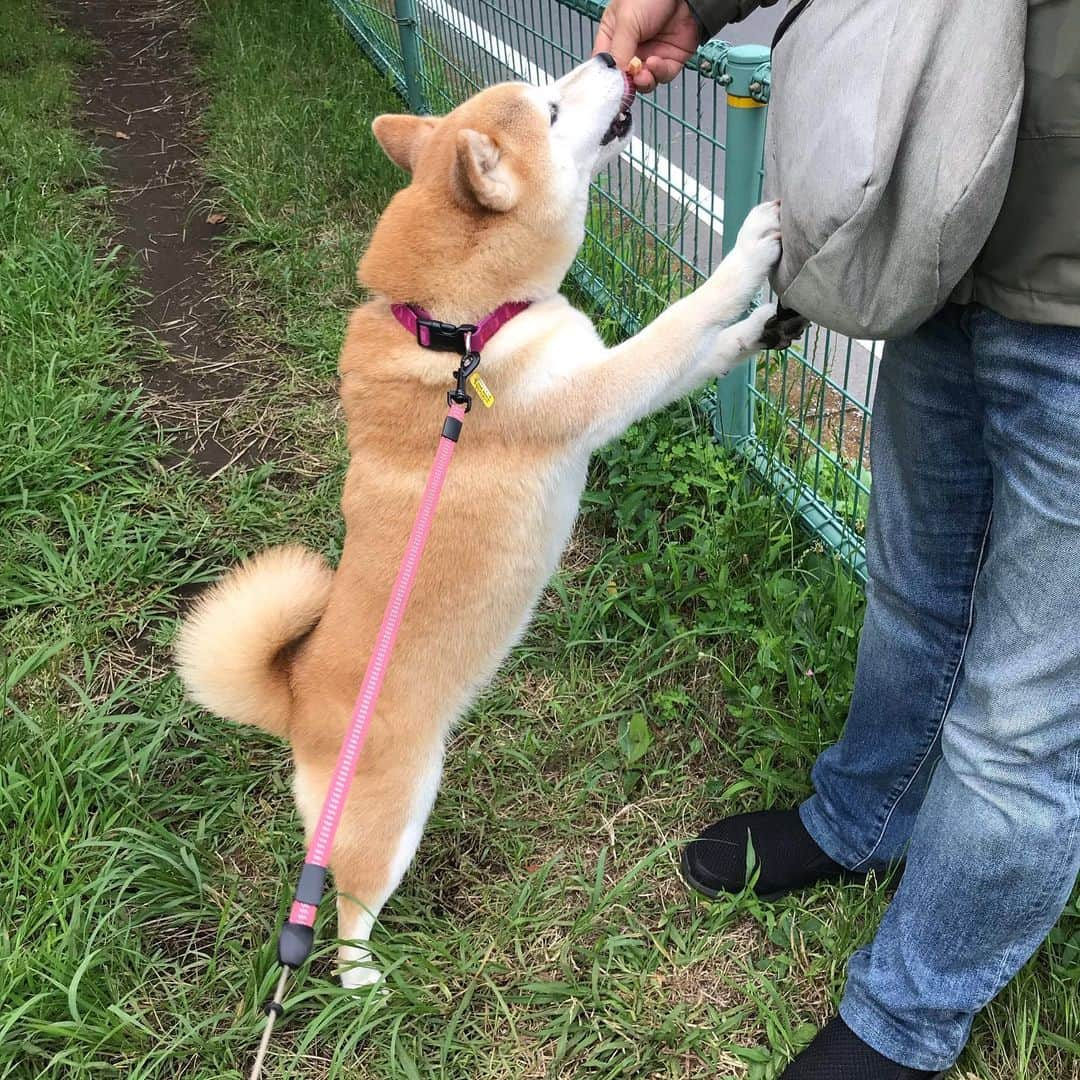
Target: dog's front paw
782,328
767,328
758,242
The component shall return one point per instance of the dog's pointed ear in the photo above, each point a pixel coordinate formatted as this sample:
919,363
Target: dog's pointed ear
482,173
403,136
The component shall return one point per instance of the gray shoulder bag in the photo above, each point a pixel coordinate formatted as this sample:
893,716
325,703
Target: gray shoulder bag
891,130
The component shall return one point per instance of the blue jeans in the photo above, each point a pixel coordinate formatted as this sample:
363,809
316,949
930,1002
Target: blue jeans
961,753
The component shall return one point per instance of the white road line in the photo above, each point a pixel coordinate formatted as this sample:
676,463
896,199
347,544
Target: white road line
517,62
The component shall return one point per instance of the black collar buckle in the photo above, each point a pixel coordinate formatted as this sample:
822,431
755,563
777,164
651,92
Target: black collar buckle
444,337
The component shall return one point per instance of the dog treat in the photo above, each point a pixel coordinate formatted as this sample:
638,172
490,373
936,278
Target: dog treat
634,66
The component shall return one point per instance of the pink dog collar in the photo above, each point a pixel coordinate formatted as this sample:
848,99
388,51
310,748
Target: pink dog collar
446,337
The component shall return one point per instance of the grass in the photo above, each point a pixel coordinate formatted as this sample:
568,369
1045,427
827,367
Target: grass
691,658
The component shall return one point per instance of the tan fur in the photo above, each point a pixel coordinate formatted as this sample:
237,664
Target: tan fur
480,224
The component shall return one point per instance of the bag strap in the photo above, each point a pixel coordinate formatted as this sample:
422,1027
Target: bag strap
790,16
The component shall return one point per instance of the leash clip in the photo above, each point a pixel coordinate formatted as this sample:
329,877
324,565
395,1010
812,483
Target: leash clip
469,363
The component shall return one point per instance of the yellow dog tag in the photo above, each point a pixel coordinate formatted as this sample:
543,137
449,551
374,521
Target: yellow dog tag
482,392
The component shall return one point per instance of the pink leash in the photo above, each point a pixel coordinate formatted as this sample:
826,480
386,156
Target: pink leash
298,933
318,854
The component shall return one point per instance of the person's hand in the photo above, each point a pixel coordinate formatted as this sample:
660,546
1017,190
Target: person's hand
662,33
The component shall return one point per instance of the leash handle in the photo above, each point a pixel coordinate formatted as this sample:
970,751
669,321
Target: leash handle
297,935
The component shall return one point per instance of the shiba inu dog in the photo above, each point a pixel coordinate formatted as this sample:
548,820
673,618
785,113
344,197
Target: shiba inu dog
494,213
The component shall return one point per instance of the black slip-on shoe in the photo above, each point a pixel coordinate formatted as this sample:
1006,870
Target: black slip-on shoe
786,856
837,1053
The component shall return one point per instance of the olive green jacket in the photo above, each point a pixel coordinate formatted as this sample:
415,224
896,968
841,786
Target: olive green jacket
1030,266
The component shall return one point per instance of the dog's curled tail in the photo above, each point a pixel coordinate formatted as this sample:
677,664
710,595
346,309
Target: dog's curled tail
229,647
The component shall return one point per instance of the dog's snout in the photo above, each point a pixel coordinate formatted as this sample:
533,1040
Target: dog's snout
607,58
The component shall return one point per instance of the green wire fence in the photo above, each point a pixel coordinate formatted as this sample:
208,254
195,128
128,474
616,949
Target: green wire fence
660,220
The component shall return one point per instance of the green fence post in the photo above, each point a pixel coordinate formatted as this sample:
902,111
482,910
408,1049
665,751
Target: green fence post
744,149
405,16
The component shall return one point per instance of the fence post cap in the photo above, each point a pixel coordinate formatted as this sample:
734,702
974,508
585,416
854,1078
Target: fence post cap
747,55
743,66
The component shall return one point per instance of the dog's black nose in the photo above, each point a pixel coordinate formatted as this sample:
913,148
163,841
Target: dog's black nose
607,58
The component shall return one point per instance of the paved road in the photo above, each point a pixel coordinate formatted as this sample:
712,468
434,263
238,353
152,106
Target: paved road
757,28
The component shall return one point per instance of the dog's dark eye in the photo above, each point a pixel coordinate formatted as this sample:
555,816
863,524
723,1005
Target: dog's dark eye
554,112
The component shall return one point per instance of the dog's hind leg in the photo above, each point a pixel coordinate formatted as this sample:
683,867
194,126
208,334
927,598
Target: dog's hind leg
380,829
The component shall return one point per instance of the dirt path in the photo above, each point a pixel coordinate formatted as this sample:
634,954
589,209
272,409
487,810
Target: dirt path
140,100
